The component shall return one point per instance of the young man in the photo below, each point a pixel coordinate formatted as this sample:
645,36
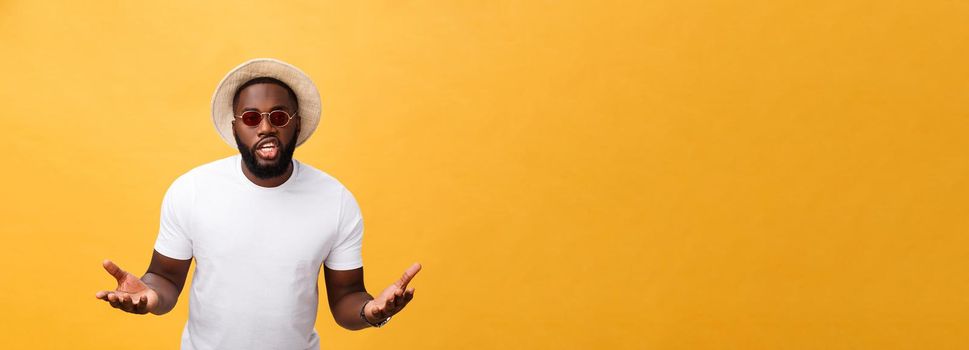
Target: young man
259,225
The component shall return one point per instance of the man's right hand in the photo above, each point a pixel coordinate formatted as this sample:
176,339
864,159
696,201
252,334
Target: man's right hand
132,295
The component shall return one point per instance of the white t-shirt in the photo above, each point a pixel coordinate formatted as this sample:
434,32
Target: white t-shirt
258,252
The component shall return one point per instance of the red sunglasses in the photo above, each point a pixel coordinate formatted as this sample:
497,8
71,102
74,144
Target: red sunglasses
278,118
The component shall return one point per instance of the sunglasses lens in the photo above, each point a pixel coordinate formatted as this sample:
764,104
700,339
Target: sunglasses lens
251,118
278,118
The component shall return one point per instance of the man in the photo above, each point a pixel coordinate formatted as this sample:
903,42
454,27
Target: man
259,225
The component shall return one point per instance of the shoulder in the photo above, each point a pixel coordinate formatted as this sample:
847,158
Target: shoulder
201,174
219,167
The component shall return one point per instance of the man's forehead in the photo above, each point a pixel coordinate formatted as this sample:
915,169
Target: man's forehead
263,94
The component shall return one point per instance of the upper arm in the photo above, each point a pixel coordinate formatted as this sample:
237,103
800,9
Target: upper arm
342,282
343,265
173,270
346,252
174,232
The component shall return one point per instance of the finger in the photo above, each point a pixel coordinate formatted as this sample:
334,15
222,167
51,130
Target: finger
141,305
390,303
408,275
398,298
408,295
135,302
405,299
391,297
114,270
113,300
126,303
101,295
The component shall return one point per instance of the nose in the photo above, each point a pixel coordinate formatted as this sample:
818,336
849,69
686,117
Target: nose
265,128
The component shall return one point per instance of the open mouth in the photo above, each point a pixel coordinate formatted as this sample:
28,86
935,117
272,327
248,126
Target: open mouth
268,150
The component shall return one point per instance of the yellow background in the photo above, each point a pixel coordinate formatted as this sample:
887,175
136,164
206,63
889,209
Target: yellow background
663,174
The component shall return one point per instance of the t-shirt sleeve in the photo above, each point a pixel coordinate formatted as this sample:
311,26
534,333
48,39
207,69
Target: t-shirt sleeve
174,239
345,254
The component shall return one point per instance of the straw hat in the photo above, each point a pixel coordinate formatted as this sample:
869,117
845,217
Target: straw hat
308,97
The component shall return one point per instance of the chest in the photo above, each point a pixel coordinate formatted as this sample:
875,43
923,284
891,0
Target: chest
272,229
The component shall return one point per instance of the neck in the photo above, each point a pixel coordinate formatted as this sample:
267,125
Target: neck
268,182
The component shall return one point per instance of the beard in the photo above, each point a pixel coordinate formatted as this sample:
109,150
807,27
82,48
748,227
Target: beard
272,170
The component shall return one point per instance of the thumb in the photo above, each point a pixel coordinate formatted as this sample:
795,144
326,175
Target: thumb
114,270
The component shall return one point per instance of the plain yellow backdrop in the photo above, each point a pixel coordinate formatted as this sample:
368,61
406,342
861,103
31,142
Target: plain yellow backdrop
661,174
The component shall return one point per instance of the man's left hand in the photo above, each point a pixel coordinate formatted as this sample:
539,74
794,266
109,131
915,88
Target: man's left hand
393,299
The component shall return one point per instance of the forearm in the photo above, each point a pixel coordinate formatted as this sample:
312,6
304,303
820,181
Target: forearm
347,297
346,311
167,292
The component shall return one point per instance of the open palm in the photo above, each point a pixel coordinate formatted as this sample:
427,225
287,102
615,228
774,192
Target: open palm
394,298
132,295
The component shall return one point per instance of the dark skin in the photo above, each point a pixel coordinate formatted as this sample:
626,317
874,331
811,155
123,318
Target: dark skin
158,289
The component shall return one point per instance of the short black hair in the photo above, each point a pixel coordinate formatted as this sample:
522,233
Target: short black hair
265,80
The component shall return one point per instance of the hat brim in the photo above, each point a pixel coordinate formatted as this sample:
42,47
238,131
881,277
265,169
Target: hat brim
308,97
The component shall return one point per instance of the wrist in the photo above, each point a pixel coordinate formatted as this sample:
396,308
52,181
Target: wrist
370,318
